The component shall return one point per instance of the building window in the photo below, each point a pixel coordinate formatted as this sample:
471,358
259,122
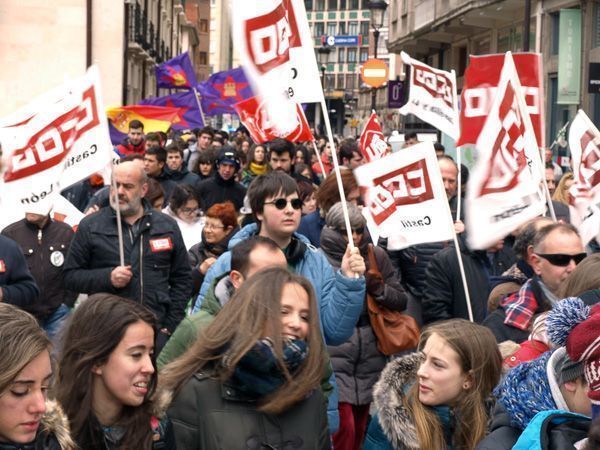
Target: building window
364,28
319,29
352,28
352,55
329,80
331,28
342,28
203,58
203,26
353,4
342,55
339,82
596,41
308,4
559,114
342,5
351,82
462,61
319,5
364,54
332,5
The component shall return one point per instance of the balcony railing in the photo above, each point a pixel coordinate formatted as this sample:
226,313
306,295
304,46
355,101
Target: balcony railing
143,32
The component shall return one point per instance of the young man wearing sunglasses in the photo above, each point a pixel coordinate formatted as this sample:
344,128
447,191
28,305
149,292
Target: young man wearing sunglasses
276,206
557,249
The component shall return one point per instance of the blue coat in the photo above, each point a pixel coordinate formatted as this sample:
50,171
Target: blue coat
553,430
340,298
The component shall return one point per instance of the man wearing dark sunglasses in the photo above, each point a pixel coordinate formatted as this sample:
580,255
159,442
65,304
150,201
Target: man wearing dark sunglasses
557,249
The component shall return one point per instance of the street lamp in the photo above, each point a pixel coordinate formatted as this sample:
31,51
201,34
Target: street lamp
324,52
377,8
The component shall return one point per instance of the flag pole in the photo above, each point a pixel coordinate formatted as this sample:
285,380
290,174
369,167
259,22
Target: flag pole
459,181
318,153
118,211
196,96
338,175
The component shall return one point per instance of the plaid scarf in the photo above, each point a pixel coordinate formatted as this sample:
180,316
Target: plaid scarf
258,373
521,306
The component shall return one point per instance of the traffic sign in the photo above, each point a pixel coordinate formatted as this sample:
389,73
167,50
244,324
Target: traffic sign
374,72
395,94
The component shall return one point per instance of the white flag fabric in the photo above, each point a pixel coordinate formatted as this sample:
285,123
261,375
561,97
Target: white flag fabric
305,81
432,96
52,143
505,187
405,198
262,33
584,143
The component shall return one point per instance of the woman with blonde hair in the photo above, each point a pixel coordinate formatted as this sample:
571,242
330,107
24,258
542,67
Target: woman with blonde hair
27,419
437,398
252,378
561,194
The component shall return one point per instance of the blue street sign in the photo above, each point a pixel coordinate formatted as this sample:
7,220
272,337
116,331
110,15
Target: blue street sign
342,40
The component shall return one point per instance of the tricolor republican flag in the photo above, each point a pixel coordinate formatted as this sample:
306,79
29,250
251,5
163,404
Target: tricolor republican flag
584,143
432,96
505,188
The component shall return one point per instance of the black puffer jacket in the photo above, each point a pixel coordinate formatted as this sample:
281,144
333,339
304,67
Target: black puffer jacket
444,294
357,363
210,415
154,248
45,250
217,190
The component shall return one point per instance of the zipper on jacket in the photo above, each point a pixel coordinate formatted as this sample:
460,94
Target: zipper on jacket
142,267
39,236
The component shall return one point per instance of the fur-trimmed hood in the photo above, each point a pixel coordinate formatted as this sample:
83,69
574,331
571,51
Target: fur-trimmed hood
388,397
55,423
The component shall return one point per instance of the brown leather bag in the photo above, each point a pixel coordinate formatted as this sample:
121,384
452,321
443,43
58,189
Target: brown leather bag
394,330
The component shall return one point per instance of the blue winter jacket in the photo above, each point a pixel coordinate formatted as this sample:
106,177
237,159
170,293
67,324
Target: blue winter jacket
340,299
554,429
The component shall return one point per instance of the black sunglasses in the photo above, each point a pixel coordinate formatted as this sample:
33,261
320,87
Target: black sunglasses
281,203
562,260
357,230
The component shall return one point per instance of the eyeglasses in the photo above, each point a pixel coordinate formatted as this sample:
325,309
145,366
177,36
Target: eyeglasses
210,226
281,203
561,259
357,230
189,210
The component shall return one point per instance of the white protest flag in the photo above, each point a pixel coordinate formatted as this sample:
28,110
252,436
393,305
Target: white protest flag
65,211
505,186
53,143
405,197
261,31
584,143
305,81
432,96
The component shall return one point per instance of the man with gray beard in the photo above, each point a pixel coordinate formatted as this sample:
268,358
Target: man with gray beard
156,272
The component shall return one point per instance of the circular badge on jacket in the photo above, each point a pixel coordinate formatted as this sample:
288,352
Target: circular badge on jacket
57,258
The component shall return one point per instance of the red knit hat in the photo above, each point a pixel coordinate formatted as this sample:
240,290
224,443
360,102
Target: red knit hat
583,344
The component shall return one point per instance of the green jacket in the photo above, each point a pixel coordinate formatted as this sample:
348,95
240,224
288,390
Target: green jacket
187,331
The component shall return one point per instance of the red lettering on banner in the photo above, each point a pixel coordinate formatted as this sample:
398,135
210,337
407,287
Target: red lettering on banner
270,36
436,84
508,153
405,186
49,146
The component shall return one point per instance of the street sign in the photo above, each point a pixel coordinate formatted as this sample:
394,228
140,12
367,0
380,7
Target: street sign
374,72
395,94
594,79
341,41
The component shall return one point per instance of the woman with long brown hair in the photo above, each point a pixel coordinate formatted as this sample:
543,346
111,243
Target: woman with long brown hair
436,399
107,377
252,378
27,419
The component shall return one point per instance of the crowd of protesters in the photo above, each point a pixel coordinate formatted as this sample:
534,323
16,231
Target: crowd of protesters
223,307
